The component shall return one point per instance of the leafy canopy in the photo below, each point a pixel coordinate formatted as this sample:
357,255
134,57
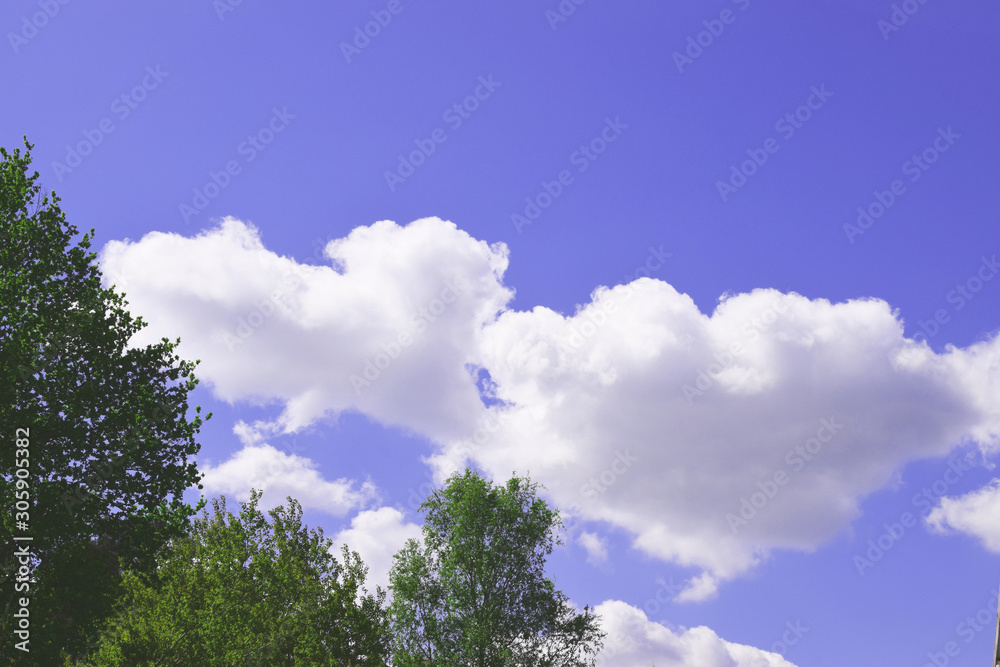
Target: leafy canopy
240,590
475,592
111,446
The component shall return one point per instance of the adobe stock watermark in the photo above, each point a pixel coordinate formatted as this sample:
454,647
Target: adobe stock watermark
223,7
262,311
983,620
601,482
598,485
122,106
958,298
697,43
581,158
600,312
248,149
901,13
22,552
915,167
562,12
792,635
483,433
489,427
797,458
454,115
787,125
750,330
665,593
392,350
31,25
924,502
363,36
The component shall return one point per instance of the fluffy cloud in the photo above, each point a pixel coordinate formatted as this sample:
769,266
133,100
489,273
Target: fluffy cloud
279,475
376,535
595,546
387,329
976,513
716,438
711,438
633,641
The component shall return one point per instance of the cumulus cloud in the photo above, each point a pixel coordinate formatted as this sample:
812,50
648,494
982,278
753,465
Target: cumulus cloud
711,438
376,535
387,328
595,546
976,513
700,588
633,641
716,438
279,475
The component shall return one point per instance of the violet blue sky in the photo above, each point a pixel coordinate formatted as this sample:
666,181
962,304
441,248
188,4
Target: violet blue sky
720,275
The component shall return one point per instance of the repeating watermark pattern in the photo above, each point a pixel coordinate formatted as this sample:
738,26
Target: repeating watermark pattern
562,12
454,115
581,158
122,106
488,427
915,167
924,502
22,551
31,25
697,43
592,489
901,13
363,37
797,458
262,311
248,149
957,298
973,624
601,482
750,330
787,126
792,635
420,320
599,314
665,593
223,7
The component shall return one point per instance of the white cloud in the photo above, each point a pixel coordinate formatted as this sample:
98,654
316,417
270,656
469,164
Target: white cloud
279,475
700,588
404,305
635,641
595,546
976,513
669,423
376,535
643,411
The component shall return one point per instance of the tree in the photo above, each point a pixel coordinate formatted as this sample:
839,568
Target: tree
242,591
475,592
108,442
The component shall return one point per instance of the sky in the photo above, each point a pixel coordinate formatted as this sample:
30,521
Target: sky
720,276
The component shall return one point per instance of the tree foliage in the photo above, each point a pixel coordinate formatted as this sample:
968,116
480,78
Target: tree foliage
475,592
242,591
110,443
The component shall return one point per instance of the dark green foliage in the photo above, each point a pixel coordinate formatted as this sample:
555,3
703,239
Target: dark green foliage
241,591
475,593
110,441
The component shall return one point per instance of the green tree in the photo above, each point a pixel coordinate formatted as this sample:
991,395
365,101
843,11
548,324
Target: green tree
109,442
475,592
242,591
